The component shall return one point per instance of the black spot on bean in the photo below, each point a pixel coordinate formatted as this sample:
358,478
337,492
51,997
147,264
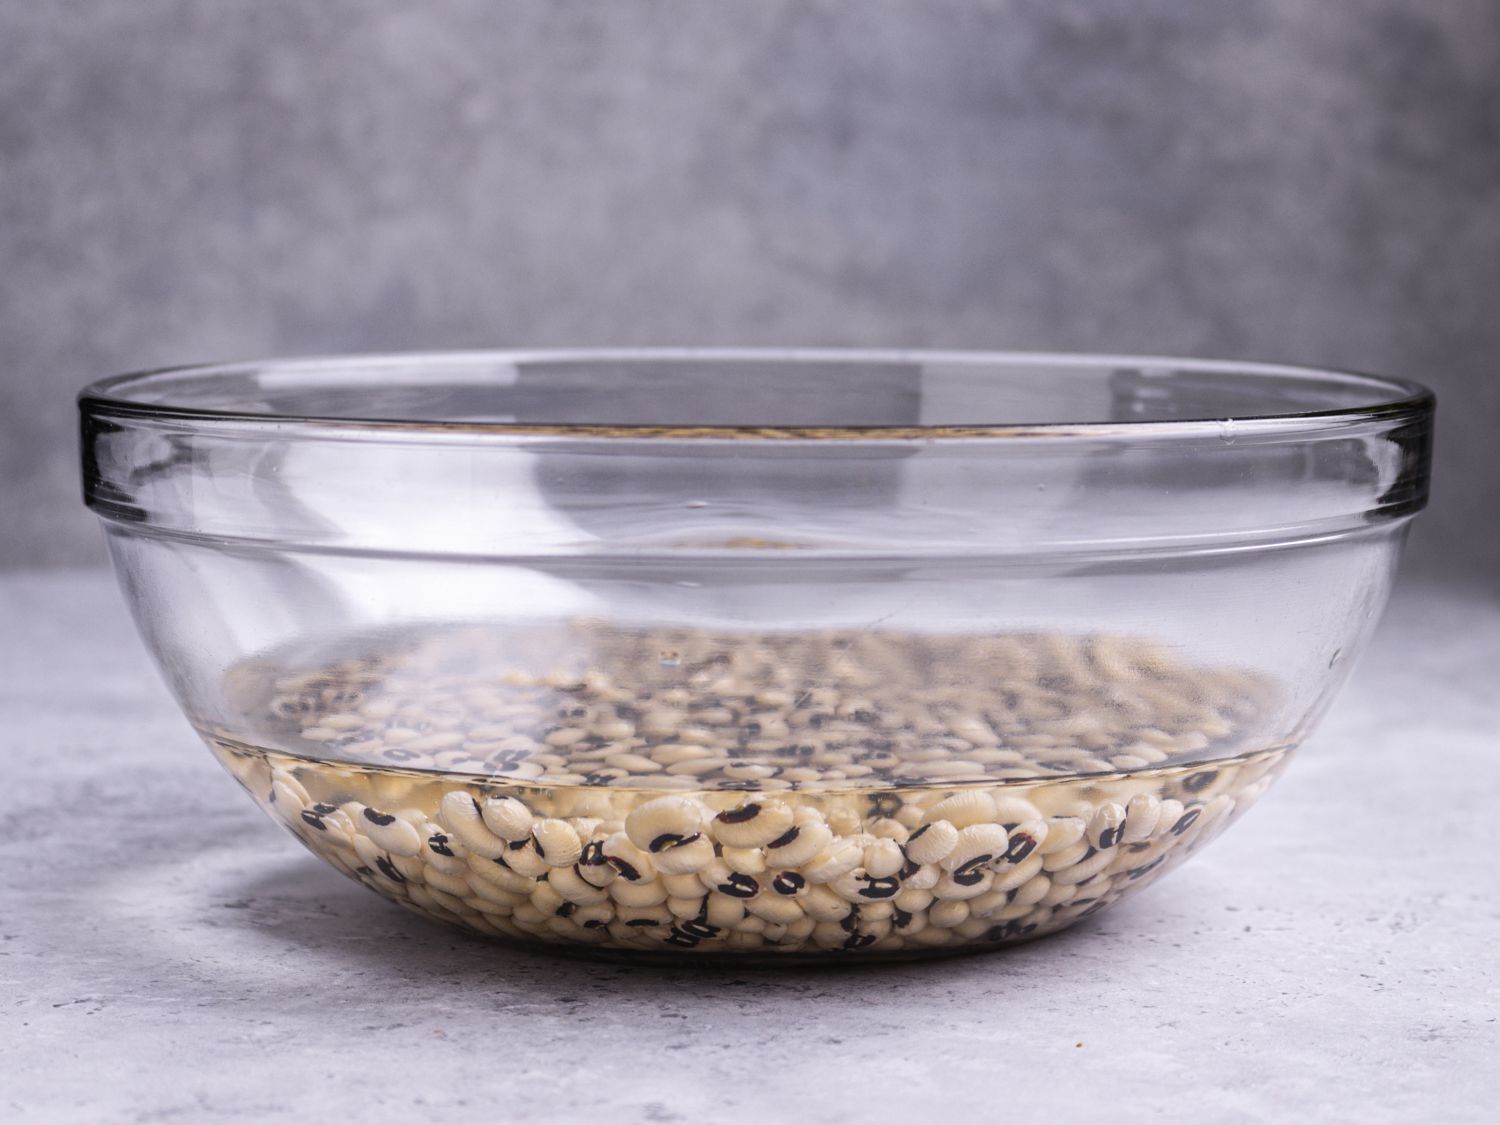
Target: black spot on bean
379,818
880,888
740,886
1186,821
313,820
323,810
1020,847
969,873
628,871
439,844
1200,781
740,815
566,909
788,883
785,838
671,840
388,869
885,804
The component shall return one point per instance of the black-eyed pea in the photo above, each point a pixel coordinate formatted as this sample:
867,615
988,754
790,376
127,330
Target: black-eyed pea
736,885
799,931
627,893
1011,809
1060,861
594,916
947,913
686,885
529,916
459,815
788,884
1063,832
747,861
911,816
775,908
932,842
750,924
556,842
1106,825
824,904
288,791
1085,869
859,886
912,899
753,823
924,878
573,887
963,810
883,858
526,860
442,851
973,928
593,867
722,911
497,874
633,864
887,828
586,827
955,887
664,822
906,922
800,843
977,846
985,905
685,858
839,858
454,885
644,916
716,872
1032,891
494,898
829,935
545,898
433,900
843,821
1059,893
1169,816
411,869
933,936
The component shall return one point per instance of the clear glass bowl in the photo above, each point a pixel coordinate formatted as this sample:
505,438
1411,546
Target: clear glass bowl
755,653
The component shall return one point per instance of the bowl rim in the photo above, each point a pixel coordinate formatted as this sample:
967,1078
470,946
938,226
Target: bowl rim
1393,400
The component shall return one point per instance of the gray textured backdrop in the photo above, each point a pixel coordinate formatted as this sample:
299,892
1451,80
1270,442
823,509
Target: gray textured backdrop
1278,179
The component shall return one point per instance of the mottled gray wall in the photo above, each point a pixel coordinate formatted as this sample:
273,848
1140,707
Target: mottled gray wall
185,180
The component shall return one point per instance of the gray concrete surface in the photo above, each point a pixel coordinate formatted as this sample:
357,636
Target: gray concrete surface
1270,179
166,954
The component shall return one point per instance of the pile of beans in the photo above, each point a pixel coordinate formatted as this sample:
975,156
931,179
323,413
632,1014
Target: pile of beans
677,791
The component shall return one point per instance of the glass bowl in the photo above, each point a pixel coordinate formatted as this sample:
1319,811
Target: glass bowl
769,654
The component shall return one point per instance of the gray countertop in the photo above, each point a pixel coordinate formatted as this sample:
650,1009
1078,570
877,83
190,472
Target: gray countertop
166,953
